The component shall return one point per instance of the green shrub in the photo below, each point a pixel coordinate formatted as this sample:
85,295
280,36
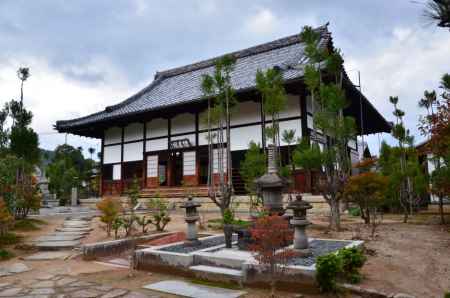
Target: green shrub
447,295
354,211
9,239
228,217
5,255
352,260
28,224
327,269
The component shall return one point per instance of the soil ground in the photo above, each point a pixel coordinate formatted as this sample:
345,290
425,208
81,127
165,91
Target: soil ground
411,258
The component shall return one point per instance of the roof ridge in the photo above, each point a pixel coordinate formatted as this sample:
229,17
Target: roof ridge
257,49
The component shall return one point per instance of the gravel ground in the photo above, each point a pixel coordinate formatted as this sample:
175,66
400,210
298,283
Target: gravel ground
182,248
319,248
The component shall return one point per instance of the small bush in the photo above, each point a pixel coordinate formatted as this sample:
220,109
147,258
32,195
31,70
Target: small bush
352,260
110,209
5,255
9,239
354,211
327,269
447,295
28,224
160,213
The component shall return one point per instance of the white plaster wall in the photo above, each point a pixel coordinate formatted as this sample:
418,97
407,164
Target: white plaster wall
203,120
246,112
241,137
155,145
292,108
182,123
117,172
188,163
203,138
111,154
191,138
133,151
134,132
157,128
113,135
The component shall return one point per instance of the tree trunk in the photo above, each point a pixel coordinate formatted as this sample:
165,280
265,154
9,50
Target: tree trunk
335,216
441,210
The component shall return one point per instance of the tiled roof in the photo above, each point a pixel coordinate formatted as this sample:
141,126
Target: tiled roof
183,84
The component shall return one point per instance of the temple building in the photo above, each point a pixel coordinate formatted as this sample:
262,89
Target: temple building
158,134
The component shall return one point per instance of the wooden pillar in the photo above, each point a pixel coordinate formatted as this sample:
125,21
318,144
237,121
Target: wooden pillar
121,160
102,147
144,159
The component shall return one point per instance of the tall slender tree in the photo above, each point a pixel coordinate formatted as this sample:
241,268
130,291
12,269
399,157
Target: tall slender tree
270,84
323,78
217,88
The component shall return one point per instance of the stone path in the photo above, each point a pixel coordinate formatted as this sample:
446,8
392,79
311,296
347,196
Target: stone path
66,237
14,268
186,289
64,286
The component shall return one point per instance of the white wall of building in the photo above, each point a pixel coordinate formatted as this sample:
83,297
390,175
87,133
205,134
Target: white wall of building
133,132
155,145
246,112
241,136
182,123
157,128
113,135
133,151
112,154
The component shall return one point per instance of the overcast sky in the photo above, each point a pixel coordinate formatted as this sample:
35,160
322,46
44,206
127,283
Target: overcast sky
87,54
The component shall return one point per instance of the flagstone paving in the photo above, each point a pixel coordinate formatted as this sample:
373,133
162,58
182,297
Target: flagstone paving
48,255
186,289
66,237
48,285
14,268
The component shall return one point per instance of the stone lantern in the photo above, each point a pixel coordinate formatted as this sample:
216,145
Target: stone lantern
270,185
191,218
299,221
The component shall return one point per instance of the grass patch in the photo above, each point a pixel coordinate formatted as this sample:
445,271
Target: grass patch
217,223
215,284
5,255
9,239
28,224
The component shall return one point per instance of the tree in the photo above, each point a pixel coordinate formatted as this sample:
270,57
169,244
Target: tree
160,213
408,173
67,169
367,191
436,127
6,218
308,157
252,167
323,78
217,88
270,85
110,209
23,74
401,165
288,136
91,151
271,233
438,11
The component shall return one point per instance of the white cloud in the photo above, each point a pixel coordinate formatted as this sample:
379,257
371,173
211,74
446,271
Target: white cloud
409,63
52,96
263,22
